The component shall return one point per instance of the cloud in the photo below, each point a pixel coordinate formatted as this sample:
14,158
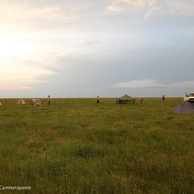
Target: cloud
19,13
21,80
14,87
115,7
22,16
22,72
180,7
151,7
149,83
25,13
145,83
185,84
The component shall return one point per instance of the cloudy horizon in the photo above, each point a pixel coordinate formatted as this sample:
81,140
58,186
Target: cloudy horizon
68,48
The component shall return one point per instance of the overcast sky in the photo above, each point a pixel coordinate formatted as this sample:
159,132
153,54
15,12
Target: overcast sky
85,48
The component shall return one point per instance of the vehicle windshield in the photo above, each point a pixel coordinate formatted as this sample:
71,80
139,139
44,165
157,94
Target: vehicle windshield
191,94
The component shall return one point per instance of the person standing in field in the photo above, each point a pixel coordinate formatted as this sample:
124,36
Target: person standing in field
163,99
49,100
142,101
98,99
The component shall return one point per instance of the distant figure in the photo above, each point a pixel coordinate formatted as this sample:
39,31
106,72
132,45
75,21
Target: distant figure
49,100
97,99
142,101
163,99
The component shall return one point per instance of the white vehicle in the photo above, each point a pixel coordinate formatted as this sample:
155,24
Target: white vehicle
189,97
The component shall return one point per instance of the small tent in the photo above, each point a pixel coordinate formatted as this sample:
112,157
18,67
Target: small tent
126,99
33,101
20,101
184,107
38,103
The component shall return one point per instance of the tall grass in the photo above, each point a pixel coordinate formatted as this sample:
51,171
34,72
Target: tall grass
78,146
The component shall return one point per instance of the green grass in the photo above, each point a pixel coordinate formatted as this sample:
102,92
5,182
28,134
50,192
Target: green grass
78,146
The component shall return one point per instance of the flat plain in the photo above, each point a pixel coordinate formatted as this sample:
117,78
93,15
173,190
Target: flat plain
76,146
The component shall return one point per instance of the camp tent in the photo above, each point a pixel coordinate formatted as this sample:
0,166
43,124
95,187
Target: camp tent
20,101
126,99
184,107
33,101
38,103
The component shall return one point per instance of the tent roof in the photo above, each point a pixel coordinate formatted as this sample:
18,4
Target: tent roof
20,101
126,97
184,107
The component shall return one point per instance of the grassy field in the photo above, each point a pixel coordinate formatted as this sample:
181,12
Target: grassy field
76,146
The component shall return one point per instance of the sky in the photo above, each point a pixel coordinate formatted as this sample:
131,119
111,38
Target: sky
88,48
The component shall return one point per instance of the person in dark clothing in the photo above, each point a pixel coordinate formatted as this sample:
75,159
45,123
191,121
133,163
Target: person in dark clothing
97,99
163,99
